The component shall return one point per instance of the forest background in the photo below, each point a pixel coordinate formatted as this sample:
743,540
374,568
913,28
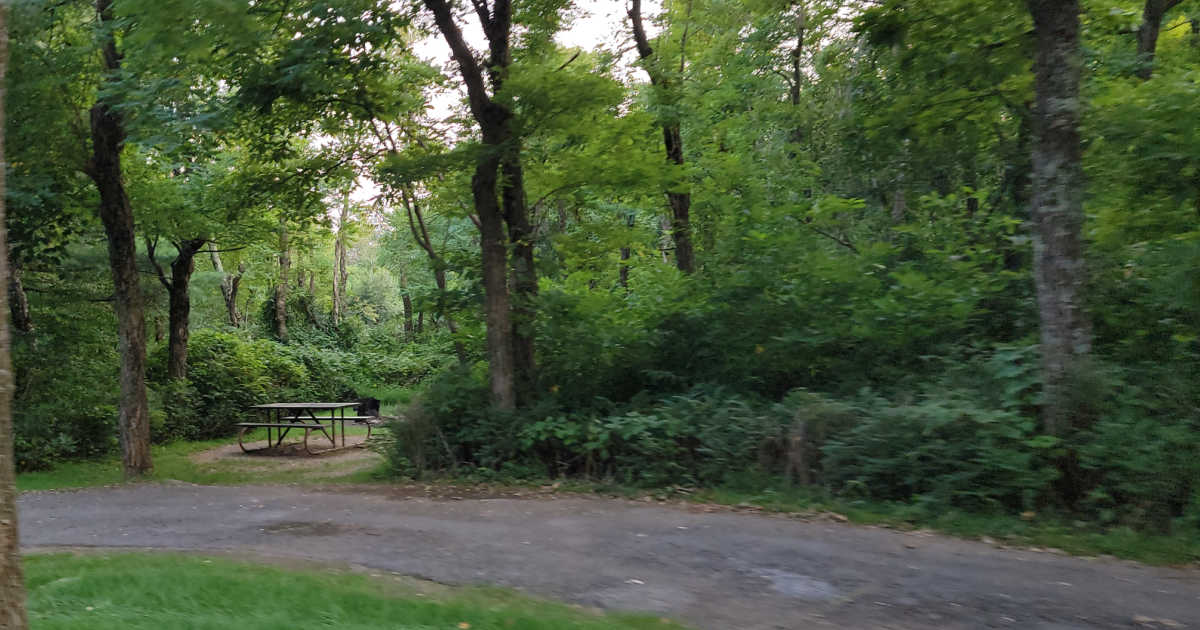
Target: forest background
937,253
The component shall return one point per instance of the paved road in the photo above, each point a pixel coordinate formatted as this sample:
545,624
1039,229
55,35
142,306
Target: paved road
714,570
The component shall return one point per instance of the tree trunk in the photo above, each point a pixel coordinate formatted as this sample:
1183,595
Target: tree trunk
679,202
494,121
337,285
1057,208
797,134
281,289
12,591
495,284
406,300
1153,13
420,322
524,274
18,302
108,138
339,262
180,307
229,285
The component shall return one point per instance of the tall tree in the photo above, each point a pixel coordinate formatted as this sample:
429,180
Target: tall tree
510,343
680,201
1057,208
116,213
12,591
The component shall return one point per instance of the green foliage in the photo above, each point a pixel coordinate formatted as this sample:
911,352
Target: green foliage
64,404
944,450
226,376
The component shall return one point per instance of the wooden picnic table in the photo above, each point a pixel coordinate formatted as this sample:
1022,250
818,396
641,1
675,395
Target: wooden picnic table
281,418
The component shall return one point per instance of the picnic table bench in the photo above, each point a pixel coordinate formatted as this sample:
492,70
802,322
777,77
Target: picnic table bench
282,418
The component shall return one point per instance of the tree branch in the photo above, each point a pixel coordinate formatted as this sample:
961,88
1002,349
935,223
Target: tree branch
162,276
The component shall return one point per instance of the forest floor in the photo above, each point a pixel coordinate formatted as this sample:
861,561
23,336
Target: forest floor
705,565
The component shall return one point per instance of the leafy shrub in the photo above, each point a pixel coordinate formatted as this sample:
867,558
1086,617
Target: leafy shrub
226,376
65,401
694,438
943,450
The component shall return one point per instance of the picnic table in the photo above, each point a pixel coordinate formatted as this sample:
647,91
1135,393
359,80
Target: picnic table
282,418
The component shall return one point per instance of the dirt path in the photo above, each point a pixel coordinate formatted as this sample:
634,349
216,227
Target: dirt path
714,570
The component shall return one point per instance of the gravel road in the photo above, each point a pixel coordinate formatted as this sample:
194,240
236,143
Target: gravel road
713,570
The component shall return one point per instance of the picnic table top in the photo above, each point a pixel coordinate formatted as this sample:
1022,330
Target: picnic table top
307,405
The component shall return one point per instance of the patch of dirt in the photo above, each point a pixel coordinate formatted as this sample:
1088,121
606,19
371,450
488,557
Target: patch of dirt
291,457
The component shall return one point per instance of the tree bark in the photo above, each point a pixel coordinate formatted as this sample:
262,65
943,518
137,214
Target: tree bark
281,289
524,274
1057,208
406,300
1153,13
12,590
679,202
229,285
495,124
179,302
339,263
108,138
18,301
501,361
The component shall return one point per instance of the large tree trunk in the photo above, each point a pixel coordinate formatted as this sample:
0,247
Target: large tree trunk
495,284
281,289
229,285
524,274
1057,211
12,591
680,202
1147,34
108,138
494,121
18,302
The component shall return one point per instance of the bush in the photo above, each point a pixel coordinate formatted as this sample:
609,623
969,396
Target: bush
226,376
694,438
65,401
943,450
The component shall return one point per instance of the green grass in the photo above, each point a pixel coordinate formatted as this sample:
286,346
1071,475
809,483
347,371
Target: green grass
182,592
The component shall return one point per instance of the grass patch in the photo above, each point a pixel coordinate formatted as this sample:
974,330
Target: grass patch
155,591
